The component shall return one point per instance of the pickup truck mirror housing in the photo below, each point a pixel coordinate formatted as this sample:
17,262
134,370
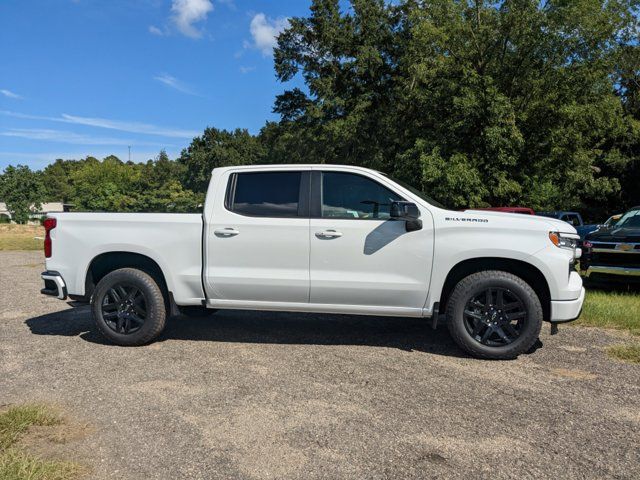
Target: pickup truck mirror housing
409,212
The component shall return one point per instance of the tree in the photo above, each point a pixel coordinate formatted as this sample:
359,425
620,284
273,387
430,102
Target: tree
22,190
56,178
162,170
474,102
217,148
104,186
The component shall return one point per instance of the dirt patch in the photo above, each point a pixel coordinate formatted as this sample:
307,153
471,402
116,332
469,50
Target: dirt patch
56,442
572,349
573,374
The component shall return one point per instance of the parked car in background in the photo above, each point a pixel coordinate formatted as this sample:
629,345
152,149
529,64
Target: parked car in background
574,219
523,210
614,250
611,221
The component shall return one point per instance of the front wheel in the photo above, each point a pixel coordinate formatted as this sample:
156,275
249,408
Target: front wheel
128,307
494,315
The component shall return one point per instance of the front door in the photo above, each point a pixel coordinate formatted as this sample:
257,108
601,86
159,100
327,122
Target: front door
359,256
258,238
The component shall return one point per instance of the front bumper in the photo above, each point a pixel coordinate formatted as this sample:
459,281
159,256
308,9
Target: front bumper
609,270
54,285
567,310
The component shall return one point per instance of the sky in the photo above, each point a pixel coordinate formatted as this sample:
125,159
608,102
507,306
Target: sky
90,77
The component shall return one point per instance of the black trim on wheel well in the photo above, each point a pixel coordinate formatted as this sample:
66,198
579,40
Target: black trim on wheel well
106,263
524,270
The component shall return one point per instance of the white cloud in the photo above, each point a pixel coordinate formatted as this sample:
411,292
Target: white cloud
69,137
188,12
244,70
174,83
155,30
10,94
131,127
265,30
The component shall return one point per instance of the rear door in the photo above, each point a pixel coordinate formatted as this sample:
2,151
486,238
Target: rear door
359,256
257,245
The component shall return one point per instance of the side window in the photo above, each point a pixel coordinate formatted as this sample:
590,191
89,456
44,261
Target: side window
572,220
346,195
265,194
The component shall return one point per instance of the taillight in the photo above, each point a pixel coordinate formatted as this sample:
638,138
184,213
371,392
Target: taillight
49,224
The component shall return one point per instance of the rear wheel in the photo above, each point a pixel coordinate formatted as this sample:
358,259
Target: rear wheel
129,307
494,314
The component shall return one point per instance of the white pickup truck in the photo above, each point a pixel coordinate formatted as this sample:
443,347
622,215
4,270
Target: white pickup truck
320,238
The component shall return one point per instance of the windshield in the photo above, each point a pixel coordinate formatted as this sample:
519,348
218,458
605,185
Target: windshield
415,191
631,219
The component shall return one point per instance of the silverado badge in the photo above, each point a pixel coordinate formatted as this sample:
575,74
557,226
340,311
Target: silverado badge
625,247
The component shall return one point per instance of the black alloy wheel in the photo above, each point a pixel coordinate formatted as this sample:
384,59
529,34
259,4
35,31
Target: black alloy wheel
494,314
124,309
495,317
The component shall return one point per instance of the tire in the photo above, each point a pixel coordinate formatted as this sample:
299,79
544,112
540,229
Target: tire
471,316
123,322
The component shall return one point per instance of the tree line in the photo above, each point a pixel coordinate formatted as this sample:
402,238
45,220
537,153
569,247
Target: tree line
476,103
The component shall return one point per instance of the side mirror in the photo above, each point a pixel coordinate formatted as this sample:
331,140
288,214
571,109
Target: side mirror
408,212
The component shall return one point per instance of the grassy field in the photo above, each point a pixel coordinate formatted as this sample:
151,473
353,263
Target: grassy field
21,237
17,464
619,310
611,309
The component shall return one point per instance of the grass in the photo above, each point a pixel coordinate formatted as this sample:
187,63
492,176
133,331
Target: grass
619,310
21,237
626,353
611,309
16,464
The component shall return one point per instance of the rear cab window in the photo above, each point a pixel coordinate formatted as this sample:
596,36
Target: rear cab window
268,194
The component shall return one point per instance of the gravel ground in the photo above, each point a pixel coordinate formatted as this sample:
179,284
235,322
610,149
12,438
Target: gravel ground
274,395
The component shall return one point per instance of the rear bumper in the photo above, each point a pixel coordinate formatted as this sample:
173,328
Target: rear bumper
54,285
608,270
567,310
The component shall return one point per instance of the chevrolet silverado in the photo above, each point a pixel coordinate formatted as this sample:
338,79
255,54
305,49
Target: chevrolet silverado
320,238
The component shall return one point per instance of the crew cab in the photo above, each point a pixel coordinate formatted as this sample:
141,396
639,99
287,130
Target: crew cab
320,238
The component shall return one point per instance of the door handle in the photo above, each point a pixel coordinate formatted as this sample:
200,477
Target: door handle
328,234
226,232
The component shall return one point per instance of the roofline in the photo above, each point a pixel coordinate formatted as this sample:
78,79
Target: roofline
297,166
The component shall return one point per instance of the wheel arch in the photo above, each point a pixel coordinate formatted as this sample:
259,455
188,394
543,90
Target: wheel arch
528,272
107,262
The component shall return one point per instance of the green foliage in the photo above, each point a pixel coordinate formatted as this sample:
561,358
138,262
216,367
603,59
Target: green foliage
109,185
104,186
55,178
477,103
21,189
115,186
217,148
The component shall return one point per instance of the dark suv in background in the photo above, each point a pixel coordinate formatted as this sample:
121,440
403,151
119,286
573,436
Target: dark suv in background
614,250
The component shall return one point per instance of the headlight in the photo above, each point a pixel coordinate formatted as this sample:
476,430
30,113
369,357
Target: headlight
564,240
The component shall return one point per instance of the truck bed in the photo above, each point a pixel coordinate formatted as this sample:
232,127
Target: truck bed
172,240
